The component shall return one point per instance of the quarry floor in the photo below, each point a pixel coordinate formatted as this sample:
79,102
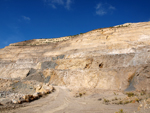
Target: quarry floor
64,100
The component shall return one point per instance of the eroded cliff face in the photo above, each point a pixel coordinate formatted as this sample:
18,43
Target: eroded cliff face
116,58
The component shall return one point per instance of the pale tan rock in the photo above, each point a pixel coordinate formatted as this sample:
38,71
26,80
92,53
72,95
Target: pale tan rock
36,95
44,92
21,100
47,73
5,101
73,63
47,89
38,66
38,87
14,101
26,98
47,84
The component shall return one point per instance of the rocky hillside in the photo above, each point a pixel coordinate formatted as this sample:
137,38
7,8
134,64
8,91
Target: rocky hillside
116,58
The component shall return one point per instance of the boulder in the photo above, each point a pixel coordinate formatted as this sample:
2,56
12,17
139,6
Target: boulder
45,88
5,101
26,98
38,87
36,95
14,101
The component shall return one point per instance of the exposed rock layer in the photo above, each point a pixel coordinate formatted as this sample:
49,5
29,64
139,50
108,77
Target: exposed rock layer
116,58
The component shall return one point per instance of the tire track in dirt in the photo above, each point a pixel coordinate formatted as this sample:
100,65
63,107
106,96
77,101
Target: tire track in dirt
54,102
63,96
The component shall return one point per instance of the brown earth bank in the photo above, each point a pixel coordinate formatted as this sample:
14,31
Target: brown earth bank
109,62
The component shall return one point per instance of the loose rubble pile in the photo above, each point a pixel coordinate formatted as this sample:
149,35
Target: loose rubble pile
12,95
40,90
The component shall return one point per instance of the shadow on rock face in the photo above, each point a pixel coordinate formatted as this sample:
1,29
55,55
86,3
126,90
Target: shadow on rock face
37,75
32,71
140,81
23,87
131,85
47,79
48,65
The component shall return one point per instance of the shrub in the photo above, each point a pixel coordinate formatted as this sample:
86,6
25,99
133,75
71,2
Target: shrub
130,94
106,101
120,111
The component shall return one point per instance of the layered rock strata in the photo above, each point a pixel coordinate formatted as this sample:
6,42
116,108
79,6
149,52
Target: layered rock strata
116,58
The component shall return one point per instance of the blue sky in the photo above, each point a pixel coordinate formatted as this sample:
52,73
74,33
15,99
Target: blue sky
34,19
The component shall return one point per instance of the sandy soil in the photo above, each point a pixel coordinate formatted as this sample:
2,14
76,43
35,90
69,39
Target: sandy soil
63,101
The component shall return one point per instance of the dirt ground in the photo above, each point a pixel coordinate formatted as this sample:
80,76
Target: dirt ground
64,100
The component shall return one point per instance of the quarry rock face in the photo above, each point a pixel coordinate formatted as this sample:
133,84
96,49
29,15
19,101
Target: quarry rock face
115,58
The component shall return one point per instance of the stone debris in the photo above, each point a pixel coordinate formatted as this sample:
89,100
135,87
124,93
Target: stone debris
7,97
36,95
4,101
144,106
14,101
